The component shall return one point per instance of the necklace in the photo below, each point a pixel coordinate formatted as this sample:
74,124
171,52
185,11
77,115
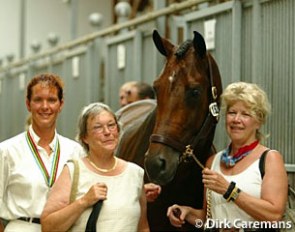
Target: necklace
103,169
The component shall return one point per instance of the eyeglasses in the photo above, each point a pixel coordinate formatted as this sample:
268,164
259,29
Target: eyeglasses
99,128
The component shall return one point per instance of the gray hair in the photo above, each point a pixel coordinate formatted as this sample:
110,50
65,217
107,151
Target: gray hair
88,111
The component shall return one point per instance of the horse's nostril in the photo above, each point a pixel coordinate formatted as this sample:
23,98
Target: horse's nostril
162,164
155,165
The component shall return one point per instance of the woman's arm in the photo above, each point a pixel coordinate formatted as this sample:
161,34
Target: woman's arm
274,189
58,213
178,215
143,225
1,226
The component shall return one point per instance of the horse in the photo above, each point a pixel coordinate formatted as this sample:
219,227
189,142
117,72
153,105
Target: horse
178,129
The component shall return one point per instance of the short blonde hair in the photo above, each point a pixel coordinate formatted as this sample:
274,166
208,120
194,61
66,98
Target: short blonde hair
253,96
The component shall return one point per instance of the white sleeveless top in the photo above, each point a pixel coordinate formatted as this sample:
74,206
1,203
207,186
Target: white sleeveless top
249,181
121,210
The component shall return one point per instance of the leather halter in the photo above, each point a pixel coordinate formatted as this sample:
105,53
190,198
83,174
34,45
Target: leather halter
208,124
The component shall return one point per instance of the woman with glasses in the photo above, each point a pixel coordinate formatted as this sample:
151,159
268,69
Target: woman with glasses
102,177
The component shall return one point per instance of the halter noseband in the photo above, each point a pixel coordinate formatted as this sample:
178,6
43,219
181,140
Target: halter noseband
208,124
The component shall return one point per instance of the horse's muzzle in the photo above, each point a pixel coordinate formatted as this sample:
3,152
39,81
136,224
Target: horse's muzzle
161,168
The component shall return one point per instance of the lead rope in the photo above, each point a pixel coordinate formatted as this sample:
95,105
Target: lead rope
189,152
215,112
208,212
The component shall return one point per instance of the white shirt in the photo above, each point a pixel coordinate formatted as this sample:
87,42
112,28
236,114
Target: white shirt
121,210
23,189
248,181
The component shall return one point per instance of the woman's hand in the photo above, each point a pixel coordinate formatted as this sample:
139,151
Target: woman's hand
95,193
214,181
177,214
152,191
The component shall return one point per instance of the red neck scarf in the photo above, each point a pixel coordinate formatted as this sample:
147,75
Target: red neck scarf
230,161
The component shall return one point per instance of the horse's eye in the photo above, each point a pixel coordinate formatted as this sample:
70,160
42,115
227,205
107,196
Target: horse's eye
192,95
195,92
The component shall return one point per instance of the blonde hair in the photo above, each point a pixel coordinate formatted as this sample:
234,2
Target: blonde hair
252,96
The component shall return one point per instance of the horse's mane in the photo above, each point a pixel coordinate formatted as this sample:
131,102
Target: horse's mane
183,48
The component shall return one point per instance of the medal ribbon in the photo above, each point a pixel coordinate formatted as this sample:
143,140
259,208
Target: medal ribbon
50,179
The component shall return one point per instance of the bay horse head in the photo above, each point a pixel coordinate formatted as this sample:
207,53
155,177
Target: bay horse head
188,97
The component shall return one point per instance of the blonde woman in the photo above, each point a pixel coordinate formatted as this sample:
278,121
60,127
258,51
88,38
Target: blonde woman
239,191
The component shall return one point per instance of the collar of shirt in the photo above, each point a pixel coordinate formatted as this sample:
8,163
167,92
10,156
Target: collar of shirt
36,138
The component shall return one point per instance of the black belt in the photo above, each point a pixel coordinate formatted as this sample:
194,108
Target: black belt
31,220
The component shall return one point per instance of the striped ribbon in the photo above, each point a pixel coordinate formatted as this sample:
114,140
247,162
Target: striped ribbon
49,179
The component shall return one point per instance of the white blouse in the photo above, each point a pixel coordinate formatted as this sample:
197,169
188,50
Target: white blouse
248,181
121,210
23,189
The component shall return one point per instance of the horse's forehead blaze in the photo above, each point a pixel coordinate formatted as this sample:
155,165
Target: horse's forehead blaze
179,75
185,78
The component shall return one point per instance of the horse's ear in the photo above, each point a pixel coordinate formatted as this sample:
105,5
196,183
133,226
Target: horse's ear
163,45
199,44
